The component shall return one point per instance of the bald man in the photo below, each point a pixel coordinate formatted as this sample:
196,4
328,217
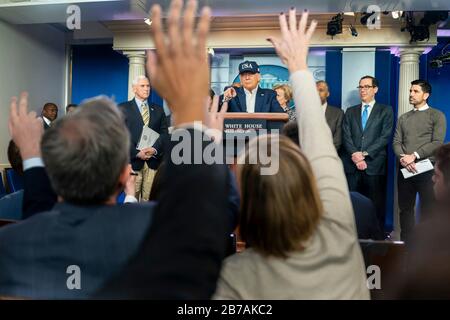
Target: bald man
333,115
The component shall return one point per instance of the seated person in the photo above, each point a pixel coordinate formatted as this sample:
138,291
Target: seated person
11,204
365,214
299,221
250,97
86,157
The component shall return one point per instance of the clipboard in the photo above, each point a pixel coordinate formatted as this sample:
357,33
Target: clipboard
147,139
421,167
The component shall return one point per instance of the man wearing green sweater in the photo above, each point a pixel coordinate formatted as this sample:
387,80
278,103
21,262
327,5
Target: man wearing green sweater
419,132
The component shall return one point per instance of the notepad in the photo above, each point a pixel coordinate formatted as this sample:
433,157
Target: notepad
421,167
148,138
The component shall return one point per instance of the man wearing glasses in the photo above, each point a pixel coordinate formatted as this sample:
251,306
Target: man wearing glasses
367,130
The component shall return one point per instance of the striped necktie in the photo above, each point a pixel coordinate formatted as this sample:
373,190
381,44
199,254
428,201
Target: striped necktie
145,114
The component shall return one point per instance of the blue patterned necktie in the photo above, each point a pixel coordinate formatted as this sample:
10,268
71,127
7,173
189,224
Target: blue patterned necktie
365,116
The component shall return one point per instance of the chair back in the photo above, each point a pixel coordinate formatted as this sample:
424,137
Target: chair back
14,180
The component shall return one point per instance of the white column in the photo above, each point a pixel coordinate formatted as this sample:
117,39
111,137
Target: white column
409,71
136,68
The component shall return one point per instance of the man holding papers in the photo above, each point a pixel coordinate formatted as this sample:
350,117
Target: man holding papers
419,132
148,131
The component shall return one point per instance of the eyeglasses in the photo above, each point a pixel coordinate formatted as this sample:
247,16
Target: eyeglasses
364,87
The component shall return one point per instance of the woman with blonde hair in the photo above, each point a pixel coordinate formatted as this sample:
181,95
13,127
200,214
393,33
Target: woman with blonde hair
284,97
298,222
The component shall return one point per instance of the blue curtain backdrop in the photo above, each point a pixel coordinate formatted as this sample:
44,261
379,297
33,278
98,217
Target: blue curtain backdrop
99,70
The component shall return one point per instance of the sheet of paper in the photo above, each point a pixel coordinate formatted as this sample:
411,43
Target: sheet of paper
148,138
421,167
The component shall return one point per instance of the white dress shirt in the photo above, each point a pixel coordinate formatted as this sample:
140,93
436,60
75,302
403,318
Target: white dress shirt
47,121
324,107
369,109
250,99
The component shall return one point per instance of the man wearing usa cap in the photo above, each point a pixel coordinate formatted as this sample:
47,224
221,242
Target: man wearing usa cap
250,97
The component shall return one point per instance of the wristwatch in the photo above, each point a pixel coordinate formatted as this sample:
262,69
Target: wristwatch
365,153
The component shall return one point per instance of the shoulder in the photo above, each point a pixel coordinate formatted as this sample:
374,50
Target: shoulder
437,113
24,229
352,109
125,106
384,107
335,110
268,91
156,107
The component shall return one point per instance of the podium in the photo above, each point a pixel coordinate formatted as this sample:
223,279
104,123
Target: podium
241,127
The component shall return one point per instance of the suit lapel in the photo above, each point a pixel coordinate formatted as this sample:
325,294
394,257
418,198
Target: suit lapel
259,101
373,115
241,98
137,113
328,115
358,118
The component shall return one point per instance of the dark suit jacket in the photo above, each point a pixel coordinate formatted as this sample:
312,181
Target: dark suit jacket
183,251
35,253
334,117
374,139
265,101
134,122
366,220
38,195
46,126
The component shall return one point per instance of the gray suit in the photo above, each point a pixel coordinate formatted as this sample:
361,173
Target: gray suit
35,253
334,117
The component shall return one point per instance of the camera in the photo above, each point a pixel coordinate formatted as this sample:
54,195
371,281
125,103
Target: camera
439,62
334,27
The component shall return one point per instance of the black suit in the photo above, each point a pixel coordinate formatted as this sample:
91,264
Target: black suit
334,117
374,140
38,195
134,122
46,126
99,239
365,217
265,101
182,254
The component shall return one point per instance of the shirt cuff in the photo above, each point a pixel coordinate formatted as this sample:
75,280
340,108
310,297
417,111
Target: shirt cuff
130,199
32,163
417,155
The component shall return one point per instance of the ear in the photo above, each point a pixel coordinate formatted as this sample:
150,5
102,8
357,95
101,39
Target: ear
426,96
328,94
375,89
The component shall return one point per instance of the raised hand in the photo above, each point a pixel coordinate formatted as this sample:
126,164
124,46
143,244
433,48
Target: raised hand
214,118
293,46
25,128
178,69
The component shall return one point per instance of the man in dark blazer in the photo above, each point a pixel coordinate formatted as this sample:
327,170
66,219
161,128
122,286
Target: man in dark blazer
138,112
250,97
333,115
49,114
70,250
367,130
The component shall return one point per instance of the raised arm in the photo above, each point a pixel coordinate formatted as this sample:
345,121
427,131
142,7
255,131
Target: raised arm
315,136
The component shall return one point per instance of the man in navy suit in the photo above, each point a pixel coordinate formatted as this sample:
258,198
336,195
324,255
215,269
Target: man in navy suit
250,97
367,130
70,250
139,113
